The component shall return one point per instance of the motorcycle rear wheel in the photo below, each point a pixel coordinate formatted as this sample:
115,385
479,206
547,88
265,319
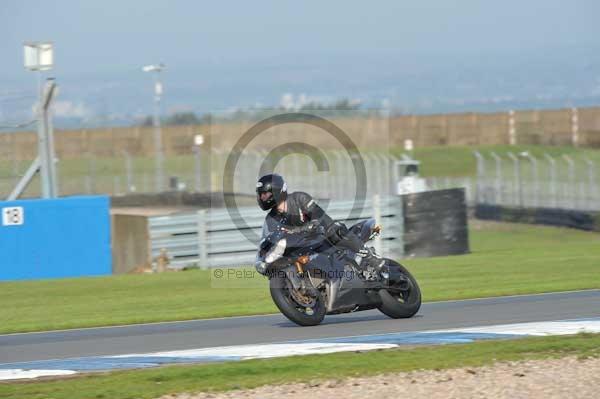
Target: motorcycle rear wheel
280,288
401,304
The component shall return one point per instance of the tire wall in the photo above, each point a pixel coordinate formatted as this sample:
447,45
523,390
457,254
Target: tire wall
435,223
589,221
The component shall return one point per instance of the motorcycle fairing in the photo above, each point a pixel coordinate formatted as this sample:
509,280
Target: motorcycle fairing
344,287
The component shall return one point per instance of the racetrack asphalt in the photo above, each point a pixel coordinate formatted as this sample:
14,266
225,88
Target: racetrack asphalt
182,335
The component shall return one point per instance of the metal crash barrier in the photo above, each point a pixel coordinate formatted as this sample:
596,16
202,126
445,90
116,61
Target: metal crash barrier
210,238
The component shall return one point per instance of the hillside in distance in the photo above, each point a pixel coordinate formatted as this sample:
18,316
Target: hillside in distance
404,83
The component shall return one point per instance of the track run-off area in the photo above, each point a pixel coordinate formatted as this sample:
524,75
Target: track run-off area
29,355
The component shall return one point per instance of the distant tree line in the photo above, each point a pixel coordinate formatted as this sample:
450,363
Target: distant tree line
179,118
190,118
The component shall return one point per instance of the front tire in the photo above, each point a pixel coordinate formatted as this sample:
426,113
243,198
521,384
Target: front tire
401,304
280,288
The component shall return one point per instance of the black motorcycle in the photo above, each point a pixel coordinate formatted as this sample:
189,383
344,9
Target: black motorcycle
309,277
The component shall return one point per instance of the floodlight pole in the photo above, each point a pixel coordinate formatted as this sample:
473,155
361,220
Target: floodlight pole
158,147
39,57
160,156
198,141
45,162
46,142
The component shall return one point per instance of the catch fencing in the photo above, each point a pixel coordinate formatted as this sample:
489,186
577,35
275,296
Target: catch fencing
211,238
336,179
203,171
525,180
118,161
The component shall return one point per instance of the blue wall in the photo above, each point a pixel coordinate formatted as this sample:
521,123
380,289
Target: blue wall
66,237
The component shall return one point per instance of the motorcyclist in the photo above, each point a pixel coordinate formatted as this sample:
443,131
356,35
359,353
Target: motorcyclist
297,209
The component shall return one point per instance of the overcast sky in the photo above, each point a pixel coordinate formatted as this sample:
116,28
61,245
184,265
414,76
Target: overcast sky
218,39
108,35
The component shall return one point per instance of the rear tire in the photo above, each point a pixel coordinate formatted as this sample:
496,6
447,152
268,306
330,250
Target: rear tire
403,304
280,288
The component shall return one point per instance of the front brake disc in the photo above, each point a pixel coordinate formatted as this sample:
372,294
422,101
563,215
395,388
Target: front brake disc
302,299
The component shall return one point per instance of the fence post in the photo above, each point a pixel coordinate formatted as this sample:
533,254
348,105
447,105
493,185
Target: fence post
468,184
197,169
340,175
202,240
498,193
512,131
116,185
536,187
383,161
517,174
295,164
92,173
571,163
325,177
592,183
128,171
87,183
553,190
574,127
480,177
370,162
15,164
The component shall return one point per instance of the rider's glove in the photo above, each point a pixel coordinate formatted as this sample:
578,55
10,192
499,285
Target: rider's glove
313,225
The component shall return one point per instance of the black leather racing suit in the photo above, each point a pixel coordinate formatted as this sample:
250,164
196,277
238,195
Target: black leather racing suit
301,209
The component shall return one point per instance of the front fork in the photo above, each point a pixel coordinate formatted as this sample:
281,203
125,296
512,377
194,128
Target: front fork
299,279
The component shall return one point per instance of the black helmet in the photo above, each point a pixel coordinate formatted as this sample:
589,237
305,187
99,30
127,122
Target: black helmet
274,184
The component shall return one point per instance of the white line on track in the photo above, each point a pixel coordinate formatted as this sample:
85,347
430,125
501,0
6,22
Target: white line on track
294,348
17,374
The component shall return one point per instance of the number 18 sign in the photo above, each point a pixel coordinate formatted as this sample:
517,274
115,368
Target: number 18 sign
13,216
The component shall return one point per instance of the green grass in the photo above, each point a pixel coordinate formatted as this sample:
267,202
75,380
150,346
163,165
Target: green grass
153,383
511,259
506,259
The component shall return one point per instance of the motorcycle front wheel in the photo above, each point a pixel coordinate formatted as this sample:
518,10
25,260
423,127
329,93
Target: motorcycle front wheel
404,303
299,308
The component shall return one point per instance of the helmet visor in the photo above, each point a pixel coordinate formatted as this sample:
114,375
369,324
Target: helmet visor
264,198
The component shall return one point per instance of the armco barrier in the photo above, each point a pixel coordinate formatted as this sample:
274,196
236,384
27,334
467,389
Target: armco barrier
423,224
49,238
435,223
581,220
210,238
